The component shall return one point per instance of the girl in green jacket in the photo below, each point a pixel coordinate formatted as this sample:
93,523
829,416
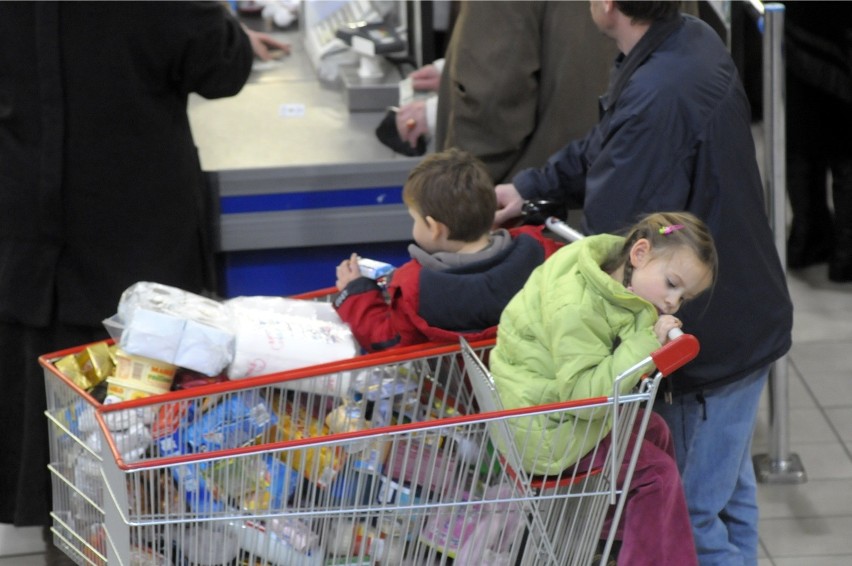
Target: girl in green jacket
590,312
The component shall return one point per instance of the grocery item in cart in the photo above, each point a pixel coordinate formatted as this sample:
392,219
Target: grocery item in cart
143,373
281,541
118,391
206,544
318,464
255,484
275,334
175,326
478,533
234,422
88,367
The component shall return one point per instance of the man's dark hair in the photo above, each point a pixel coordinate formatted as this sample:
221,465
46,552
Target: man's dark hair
648,11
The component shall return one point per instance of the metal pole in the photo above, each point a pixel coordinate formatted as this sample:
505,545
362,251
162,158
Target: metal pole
779,465
415,31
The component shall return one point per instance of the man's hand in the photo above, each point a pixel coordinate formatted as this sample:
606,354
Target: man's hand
426,78
411,122
509,203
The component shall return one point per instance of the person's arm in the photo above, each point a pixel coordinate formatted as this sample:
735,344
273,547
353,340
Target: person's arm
561,179
417,118
362,306
428,77
586,363
210,53
361,303
264,45
491,99
638,160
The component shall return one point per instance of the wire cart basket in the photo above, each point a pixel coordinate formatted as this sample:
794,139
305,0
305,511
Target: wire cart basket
395,459
247,457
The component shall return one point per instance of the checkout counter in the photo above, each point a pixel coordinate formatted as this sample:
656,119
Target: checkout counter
300,181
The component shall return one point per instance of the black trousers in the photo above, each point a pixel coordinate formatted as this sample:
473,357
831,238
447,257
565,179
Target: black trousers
25,499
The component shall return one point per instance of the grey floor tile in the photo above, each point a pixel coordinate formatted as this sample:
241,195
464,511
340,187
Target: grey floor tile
822,308
814,498
826,369
824,461
804,426
24,560
20,541
798,396
841,419
841,560
797,537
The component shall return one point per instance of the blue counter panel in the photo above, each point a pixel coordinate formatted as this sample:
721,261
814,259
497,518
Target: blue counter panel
282,272
310,200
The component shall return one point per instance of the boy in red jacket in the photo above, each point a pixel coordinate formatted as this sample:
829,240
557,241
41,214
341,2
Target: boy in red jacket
461,273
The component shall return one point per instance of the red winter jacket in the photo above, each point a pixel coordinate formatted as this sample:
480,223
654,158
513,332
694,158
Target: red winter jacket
425,305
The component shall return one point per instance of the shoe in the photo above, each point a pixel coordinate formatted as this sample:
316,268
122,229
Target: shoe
806,248
840,267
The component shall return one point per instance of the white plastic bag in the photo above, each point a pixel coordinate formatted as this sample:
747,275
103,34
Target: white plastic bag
175,326
276,334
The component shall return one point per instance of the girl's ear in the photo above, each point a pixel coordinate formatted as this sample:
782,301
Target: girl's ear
640,253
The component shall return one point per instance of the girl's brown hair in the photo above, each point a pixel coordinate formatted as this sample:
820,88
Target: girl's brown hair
665,231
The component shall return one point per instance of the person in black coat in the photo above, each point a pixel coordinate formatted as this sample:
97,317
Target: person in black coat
100,186
818,50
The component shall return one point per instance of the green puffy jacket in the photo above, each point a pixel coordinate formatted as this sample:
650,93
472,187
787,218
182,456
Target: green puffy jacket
566,336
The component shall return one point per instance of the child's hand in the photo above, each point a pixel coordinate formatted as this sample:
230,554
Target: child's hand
665,323
347,271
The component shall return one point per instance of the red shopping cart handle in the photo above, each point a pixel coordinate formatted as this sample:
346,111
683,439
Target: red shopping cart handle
676,353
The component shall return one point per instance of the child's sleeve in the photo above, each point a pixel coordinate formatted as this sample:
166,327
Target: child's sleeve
361,304
587,359
379,323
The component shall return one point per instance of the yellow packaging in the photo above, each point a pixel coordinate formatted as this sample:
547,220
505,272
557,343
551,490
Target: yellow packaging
125,392
145,373
319,464
95,362
70,368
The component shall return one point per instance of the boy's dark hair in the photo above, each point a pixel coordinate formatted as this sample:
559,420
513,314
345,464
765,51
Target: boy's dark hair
454,188
648,11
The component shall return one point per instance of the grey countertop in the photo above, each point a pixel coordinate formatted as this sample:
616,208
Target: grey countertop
287,134
284,116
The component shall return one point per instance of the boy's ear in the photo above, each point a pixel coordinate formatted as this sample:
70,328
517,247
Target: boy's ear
640,253
437,229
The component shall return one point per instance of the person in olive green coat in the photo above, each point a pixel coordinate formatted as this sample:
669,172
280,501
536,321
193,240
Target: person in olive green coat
590,312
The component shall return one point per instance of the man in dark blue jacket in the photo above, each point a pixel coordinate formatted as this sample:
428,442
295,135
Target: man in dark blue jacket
675,134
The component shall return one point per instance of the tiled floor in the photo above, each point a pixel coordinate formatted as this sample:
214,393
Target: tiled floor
811,523
807,524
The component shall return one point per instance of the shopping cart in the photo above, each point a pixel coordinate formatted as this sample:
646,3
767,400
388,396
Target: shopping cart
76,450
571,506
381,459
249,473
250,455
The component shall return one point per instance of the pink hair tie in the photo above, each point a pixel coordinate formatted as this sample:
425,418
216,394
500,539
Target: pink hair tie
666,230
